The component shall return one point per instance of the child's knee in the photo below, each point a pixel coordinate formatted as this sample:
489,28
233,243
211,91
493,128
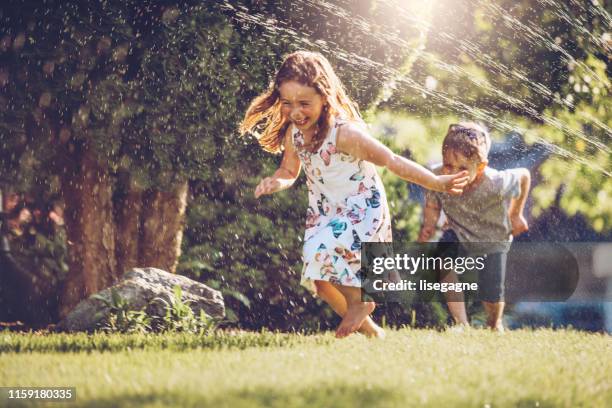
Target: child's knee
321,287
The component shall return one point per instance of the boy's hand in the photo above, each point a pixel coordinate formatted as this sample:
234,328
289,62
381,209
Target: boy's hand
518,223
267,185
453,183
426,233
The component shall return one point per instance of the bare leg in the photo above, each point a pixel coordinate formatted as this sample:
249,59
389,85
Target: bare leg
495,312
356,312
455,300
336,300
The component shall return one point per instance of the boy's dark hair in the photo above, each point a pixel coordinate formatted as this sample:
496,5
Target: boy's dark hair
468,138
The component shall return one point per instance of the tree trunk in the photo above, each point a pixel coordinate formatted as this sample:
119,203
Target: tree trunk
90,228
129,220
144,230
163,218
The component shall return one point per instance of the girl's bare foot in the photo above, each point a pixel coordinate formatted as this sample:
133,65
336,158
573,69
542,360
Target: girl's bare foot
354,318
378,332
371,329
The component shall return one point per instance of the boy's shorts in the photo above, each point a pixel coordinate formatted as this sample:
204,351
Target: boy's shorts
491,278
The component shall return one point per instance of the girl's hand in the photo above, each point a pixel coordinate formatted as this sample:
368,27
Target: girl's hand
453,184
267,185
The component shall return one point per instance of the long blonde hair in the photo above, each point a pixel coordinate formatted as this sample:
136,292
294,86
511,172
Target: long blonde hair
309,69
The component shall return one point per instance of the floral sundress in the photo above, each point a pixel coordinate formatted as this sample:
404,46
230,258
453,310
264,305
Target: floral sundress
347,205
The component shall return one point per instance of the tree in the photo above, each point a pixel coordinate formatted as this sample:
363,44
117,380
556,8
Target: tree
115,106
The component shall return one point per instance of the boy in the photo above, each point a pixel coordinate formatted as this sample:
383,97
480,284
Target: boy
490,210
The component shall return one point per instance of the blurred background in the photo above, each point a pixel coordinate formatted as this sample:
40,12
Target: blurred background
119,144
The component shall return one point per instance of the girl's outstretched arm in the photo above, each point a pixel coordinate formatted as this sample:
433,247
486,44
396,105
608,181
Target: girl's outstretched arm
285,175
354,140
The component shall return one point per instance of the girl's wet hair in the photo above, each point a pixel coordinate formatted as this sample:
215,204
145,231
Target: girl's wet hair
310,69
468,138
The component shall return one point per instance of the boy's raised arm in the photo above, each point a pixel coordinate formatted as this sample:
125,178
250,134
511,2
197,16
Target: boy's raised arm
431,214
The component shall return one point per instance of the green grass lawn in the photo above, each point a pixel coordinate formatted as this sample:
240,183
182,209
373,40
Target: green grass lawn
542,368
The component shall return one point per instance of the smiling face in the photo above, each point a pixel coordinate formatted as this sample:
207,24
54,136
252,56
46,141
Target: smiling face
455,162
301,104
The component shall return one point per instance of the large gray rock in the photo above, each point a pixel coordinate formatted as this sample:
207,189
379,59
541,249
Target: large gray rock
140,287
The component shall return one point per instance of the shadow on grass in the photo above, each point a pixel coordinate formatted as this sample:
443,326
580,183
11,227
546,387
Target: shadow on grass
340,396
325,396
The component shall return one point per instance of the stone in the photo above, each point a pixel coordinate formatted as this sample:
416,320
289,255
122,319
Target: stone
140,287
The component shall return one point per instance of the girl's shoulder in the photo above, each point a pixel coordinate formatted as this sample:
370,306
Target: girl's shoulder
346,125
350,131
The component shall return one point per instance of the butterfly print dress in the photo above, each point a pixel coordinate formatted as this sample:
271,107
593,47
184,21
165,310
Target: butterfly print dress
347,205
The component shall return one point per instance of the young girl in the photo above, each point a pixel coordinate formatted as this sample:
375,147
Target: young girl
307,115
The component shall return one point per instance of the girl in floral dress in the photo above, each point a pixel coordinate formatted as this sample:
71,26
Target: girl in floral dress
307,115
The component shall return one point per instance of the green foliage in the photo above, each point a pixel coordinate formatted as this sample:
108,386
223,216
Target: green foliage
154,94
121,318
43,254
39,249
104,341
250,249
586,160
180,317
